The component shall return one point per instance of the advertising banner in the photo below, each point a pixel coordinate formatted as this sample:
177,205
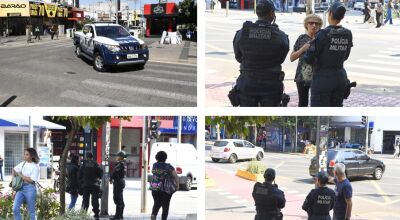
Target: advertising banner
62,12
37,9
14,9
51,10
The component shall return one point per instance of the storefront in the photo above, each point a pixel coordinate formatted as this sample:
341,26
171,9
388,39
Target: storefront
160,17
14,16
45,15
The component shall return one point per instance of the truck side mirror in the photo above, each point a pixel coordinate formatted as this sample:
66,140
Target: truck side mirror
89,35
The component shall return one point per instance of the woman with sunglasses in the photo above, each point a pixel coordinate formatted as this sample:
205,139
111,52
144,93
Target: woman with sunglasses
304,71
327,53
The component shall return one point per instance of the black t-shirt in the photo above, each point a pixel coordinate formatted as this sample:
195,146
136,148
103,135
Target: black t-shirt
302,66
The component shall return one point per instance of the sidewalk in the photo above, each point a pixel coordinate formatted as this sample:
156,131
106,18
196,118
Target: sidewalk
22,40
178,53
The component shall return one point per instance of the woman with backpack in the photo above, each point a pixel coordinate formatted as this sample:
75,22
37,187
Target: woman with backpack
163,184
28,170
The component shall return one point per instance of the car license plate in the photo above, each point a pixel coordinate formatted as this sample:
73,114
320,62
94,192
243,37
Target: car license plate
132,56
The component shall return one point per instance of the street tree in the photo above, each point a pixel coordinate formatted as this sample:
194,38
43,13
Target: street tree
75,123
188,13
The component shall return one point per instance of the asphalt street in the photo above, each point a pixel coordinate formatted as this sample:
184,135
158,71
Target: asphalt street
373,62
231,195
50,74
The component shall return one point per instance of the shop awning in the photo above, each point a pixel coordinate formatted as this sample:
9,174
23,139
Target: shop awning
24,122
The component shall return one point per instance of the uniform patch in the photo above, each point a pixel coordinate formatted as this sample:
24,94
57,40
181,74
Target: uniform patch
262,191
324,200
338,44
260,33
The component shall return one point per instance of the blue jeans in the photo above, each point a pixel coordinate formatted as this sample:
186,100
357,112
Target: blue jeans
26,194
389,16
73,201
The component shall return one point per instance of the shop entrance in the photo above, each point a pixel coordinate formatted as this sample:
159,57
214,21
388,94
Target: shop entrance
389,138
158,25
16,25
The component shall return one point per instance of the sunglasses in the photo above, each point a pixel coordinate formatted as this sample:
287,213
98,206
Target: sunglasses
314,23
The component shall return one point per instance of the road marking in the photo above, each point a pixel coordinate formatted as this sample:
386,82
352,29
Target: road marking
221,169
241,201
154,79
378,62
233,197
381,192
302,195
224,193
222,59
385,56
382,69
142,90
389,52
92,99
219,49
375,76
211,71
167,72
217,190
279,165
168,62
292,191
220,30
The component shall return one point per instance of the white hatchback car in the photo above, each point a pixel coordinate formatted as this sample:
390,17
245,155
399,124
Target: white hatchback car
235,149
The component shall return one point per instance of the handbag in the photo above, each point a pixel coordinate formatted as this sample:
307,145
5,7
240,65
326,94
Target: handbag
169,185
17,181
233,96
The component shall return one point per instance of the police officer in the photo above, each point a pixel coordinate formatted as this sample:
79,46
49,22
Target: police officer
268,198
320,201
327,52
90,175
261,48
117,179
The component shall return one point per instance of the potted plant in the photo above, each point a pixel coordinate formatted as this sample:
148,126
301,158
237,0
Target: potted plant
254,171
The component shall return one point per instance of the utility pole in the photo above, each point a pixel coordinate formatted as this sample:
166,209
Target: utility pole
366,134
295,144
106,168
317,145
116,11
179,129
255,6
120,135
144,165
30,132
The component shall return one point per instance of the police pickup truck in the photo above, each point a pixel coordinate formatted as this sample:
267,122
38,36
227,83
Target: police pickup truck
110,45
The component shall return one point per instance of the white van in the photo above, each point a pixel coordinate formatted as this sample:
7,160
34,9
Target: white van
183,157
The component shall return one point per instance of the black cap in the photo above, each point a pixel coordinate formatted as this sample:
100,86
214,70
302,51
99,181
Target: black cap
264,7
89,154
121,154
338,10
269,174
323,177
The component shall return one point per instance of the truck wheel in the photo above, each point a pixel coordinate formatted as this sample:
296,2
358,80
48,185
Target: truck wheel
98,62
78,51
188,184
378,173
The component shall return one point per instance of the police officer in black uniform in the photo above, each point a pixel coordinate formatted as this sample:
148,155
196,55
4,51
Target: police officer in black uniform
90,174
320,201
268,198
117,179
261,48
327,52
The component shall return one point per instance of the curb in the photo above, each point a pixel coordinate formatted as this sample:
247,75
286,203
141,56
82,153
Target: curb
250,176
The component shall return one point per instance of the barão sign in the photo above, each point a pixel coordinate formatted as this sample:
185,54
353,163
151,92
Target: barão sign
12,5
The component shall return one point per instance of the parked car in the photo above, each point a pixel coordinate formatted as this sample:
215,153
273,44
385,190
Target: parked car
354,146
135,30
110,45
235,149
357,163
181,156
359,5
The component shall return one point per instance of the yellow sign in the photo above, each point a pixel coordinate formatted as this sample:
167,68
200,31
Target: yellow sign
14,9
37,9
62,12
51,10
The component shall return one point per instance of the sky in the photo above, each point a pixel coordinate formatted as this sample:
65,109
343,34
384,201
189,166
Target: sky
131,2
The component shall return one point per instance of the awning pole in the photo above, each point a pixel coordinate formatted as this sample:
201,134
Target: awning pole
30,132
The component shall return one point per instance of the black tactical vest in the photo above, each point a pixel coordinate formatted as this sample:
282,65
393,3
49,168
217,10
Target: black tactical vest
323,200
91,173
260,42
265,198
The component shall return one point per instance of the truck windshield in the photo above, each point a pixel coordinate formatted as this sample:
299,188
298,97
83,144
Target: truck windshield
111,31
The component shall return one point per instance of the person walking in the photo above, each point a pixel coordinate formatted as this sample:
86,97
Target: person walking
327,54
73,180
379,15
52,31
321,200
90,175
1,168
161,171
304,72
28,170
344,192
37,32
117,179
261,48
389,8
269,200
367,11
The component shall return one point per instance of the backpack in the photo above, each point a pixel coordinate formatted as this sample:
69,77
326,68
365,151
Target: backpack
17,181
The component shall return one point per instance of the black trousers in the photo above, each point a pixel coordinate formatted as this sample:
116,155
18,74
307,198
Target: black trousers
118,197
378,19
303,90
161,199
328,88
367,16
262,101
1,173
37,36
94,193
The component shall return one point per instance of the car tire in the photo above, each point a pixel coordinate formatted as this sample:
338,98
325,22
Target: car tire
378,172
215,160
78,51
188,184
98,62
232,158
259,156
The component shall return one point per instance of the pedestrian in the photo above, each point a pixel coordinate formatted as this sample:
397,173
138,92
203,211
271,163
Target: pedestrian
344,192
367,11
327,54
269,200
28,170
123,150
379,14
389,8
321,200
1,167
52,31
37,32
304,72
73,180
396,151
90,175
56,31
283,5
117,178
161,172
260,57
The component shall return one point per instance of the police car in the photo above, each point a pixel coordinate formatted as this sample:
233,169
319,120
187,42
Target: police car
110,45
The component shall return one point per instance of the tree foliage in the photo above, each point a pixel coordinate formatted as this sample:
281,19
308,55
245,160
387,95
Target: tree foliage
188,13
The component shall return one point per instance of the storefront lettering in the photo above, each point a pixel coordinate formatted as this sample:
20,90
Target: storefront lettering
51,10
37,10
13,6
158,9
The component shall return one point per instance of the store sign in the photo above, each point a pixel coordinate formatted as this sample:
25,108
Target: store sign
51,10
14,8
62,12
37,9
158,9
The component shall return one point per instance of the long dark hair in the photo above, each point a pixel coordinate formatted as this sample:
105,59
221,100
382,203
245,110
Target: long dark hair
34,154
